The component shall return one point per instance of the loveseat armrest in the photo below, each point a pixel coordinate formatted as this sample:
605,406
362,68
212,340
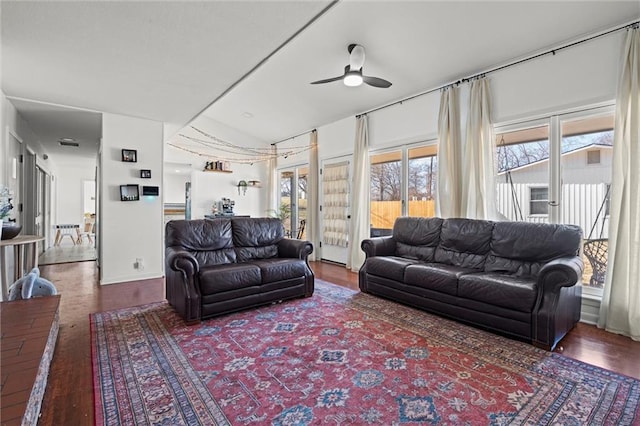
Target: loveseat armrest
298,249
379,246
182,261
181,282
559,301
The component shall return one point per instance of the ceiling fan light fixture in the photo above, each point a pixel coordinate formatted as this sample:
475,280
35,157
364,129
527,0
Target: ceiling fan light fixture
352,79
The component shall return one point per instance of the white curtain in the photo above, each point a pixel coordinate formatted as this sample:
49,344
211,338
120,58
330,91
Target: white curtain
449,194
620,307
478,174
359,229
313,201
335,204
272,187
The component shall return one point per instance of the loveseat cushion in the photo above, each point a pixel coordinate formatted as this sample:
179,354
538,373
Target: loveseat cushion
508,291
391,267
434,276
522,248
256,238
464,242
221,278
209,241
278,269
417,237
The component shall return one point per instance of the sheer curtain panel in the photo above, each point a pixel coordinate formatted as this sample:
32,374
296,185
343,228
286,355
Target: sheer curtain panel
335,206
620,307
449,194
313,214
478,174
359,229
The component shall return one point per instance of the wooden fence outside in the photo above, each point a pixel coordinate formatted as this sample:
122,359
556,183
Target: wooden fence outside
384,213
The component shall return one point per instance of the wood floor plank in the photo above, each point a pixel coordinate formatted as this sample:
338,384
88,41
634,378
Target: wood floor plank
69,396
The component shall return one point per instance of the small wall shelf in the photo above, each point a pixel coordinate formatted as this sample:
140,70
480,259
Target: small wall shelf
218,171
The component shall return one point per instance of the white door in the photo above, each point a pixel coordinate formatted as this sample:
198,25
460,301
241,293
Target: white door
335,212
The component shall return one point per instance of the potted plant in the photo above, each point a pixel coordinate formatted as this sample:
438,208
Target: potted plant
283,213
9,228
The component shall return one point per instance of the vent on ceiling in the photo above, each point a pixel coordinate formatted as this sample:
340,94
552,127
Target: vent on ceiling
67,143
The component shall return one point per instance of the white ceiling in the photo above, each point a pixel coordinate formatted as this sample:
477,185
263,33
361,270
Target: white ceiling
168,61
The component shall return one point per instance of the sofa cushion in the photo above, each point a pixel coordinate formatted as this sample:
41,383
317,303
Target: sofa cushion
256,238
391,267
209,241
522,248
434,276
508,291
221,278
280,269
464,242
417,237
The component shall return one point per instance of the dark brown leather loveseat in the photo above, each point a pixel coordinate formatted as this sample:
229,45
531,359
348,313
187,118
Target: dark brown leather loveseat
520,279
217,266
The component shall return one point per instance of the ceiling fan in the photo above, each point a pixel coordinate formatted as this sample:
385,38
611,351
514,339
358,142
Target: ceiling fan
353,72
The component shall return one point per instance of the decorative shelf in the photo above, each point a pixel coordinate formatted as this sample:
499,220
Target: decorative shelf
218,171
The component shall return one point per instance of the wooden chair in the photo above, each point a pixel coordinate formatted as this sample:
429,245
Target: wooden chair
88,230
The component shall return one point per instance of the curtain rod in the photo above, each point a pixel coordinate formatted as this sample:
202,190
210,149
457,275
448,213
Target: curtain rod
501,67
295,136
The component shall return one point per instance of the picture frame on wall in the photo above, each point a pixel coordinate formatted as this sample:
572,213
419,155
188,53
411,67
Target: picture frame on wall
129,193
129,155
145,174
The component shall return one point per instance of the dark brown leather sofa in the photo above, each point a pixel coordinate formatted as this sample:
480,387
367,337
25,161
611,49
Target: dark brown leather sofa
217,266
516,278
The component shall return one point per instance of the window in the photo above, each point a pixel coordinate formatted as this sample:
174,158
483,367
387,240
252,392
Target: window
422,181
385,191
544,162
403,183
523,169
593,157
539,200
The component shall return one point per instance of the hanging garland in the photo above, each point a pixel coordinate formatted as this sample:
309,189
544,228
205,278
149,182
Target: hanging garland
212,146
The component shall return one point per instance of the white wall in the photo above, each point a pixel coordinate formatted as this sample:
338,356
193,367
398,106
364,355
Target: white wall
208,187
174,186
69,189
130,229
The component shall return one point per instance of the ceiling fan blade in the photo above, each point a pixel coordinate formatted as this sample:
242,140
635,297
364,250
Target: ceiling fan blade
356,57
376,82
327,80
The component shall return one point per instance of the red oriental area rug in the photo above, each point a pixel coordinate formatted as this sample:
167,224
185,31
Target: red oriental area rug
339,357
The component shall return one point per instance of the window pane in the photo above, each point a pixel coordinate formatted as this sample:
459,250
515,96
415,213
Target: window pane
300,229
523,169
386,191
423,170
587,154
286,184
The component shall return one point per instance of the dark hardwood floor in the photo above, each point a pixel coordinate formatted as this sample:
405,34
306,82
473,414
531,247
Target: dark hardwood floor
69,395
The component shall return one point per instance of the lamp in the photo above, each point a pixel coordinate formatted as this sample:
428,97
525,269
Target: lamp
352,78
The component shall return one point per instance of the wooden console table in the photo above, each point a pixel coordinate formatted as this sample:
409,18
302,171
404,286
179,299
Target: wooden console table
25,258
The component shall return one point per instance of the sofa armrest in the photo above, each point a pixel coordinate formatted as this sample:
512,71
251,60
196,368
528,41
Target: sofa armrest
379,246
559,301
299,249
181,282
561,272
